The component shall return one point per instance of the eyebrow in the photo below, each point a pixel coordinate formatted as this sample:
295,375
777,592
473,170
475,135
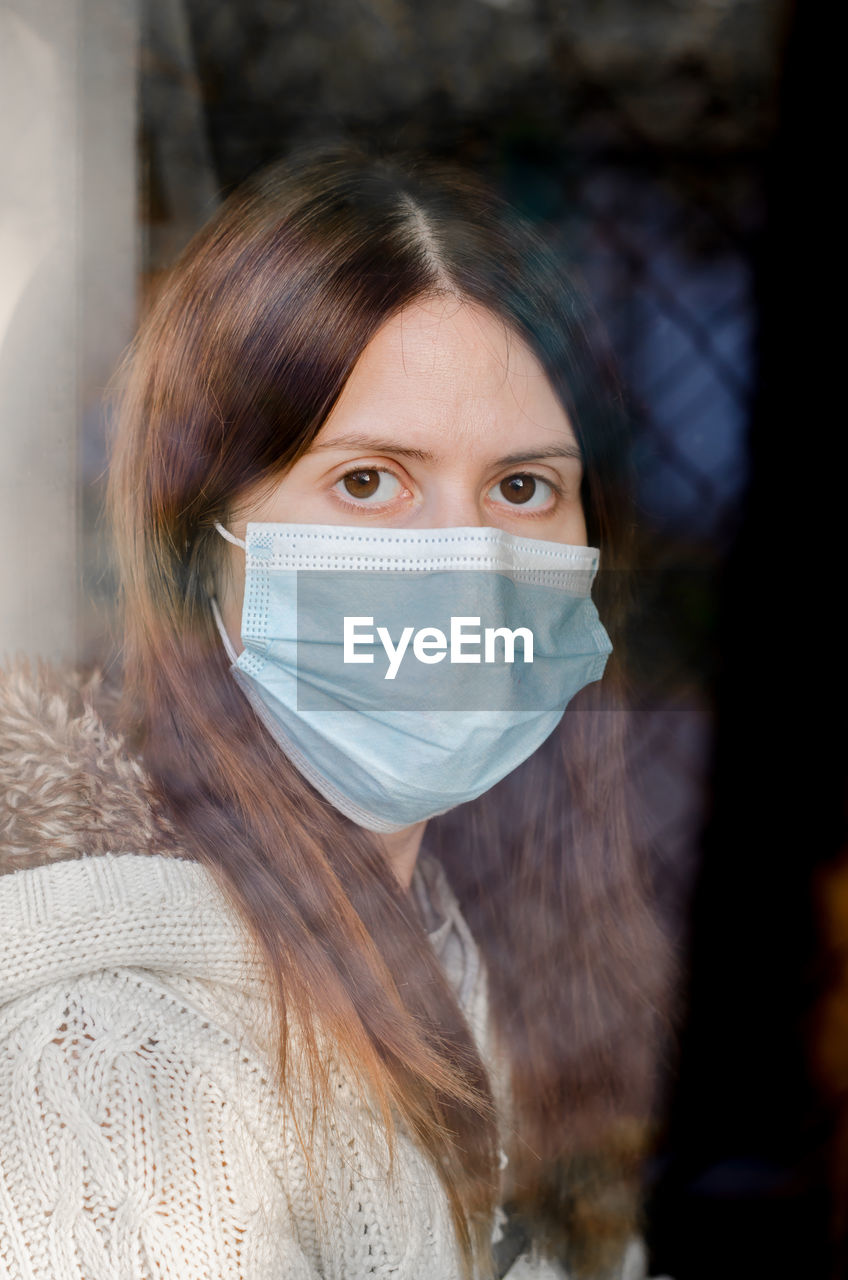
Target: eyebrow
366,444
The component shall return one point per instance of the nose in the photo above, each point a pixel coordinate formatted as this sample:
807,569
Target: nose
451,505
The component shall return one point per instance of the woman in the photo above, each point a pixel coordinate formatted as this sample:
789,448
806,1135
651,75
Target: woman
364,978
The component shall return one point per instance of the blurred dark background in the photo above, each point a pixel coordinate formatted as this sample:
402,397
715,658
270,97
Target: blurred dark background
665,147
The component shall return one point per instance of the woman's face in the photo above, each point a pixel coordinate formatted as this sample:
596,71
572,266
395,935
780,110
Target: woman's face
447,419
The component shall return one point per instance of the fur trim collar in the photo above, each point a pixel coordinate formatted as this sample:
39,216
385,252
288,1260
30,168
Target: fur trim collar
68,786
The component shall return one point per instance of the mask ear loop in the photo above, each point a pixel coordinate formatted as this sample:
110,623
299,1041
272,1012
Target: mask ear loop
216,612
230,537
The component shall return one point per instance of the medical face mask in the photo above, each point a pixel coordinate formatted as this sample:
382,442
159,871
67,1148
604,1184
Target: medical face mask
406,671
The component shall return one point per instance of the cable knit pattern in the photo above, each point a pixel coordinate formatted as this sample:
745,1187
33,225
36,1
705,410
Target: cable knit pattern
140,1135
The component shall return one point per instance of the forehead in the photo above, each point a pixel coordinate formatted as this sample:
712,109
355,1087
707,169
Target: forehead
445,364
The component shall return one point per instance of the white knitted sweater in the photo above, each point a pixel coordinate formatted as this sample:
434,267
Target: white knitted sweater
140,1138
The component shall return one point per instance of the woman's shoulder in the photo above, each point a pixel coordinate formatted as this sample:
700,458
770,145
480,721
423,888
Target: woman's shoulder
68,785
136,1113
132,1038
71,917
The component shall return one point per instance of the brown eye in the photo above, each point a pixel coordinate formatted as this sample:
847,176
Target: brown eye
367,483
362,484
527,491
518,489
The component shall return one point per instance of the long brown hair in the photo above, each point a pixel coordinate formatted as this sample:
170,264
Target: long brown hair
232,374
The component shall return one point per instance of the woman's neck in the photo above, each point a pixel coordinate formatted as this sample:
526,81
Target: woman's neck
402,849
